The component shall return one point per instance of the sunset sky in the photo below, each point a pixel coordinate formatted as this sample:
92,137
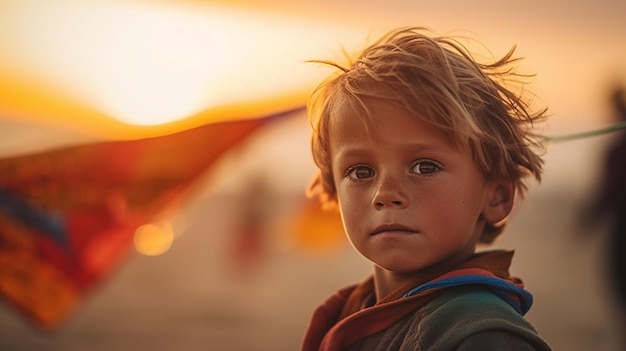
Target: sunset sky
153,62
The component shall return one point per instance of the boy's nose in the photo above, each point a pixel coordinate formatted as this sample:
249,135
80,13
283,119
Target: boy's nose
389,194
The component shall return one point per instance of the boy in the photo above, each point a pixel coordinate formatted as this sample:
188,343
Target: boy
423,150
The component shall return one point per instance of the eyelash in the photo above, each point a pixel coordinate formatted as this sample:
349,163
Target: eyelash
354,167
437,165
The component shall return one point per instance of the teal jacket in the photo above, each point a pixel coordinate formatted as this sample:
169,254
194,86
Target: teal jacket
468,318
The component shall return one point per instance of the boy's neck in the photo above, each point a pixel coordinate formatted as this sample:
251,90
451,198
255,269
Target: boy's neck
390,285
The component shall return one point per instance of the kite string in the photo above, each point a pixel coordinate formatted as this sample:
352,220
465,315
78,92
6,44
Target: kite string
582,135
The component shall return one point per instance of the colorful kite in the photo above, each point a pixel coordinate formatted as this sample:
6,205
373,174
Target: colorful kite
68,216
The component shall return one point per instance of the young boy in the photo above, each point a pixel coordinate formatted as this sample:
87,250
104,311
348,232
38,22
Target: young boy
423,150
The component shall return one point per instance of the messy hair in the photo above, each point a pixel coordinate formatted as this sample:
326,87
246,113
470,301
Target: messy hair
436,79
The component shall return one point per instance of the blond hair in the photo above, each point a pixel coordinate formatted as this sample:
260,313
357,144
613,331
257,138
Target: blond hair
435,78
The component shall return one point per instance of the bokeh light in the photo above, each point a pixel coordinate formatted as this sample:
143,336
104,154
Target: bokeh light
154,239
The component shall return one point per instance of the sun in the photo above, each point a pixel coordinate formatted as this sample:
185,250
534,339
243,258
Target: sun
150,63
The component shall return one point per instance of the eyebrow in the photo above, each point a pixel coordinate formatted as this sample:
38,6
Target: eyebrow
415,147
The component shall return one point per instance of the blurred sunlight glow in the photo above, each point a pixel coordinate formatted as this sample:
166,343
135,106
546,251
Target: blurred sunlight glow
149,63
154,239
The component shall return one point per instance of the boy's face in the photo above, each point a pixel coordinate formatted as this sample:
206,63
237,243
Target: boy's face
409,199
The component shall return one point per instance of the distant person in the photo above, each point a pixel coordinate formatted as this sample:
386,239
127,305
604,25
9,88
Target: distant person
424,151
611,202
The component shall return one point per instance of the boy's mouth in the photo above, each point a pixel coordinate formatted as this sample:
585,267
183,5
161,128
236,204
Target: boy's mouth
385,228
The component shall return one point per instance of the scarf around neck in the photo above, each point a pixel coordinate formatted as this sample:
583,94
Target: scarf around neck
342,319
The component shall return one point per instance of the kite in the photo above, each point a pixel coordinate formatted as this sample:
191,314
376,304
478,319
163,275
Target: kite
68,216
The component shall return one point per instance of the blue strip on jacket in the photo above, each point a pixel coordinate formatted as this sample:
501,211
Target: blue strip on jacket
499,286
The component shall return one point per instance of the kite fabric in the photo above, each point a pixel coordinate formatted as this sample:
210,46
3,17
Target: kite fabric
68,216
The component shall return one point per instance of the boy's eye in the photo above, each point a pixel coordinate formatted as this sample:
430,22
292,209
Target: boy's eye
359,172
425,167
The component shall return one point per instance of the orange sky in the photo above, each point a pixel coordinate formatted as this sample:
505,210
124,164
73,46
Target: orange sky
103,67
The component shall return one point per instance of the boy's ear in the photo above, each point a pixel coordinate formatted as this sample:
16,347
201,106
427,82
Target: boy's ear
500,202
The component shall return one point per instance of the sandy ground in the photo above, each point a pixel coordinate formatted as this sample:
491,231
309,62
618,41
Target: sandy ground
191,299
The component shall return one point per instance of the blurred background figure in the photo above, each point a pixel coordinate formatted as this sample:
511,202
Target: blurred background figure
609,205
